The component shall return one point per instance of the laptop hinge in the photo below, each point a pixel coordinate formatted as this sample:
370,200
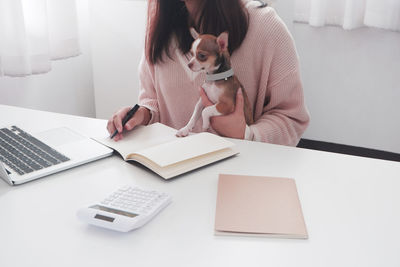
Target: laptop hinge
4,174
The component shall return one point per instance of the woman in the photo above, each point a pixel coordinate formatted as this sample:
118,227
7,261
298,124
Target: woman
263,57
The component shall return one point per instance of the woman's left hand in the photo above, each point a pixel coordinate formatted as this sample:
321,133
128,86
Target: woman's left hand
232,125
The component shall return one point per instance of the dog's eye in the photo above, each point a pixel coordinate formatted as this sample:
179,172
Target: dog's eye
201,56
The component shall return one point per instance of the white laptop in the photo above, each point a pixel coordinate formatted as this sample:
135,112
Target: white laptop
27,156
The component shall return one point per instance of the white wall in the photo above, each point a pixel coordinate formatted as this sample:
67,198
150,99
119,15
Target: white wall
352,85
67,88
351,82
117,41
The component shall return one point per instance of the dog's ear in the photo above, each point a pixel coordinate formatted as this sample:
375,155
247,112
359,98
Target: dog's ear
194,34
222,41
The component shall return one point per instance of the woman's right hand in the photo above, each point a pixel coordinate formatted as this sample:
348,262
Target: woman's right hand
141,117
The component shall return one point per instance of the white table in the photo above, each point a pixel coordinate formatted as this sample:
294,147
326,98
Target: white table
351,207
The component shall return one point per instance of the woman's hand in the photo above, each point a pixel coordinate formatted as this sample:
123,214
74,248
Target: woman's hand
232,125
141,117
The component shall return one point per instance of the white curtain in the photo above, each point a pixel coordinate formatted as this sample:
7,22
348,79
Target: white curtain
34,32
350,14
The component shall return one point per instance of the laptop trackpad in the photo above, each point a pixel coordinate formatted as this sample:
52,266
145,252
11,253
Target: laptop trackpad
59,136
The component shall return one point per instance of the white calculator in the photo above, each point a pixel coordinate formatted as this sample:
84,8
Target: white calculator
125,209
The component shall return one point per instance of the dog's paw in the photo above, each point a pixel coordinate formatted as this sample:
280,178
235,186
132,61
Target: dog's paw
182,132
206,125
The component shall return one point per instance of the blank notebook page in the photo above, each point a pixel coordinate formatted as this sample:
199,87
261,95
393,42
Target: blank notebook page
185,148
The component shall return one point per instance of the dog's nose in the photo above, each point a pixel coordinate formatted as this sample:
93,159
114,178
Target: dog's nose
190,65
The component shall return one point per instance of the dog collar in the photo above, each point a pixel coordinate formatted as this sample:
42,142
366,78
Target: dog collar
219,76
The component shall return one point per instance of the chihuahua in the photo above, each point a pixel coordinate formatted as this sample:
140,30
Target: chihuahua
210,54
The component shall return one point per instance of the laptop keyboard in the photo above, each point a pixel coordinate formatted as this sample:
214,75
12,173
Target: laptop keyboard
24,153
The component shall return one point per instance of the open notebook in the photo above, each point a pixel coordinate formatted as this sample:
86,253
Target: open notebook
156,147
258,206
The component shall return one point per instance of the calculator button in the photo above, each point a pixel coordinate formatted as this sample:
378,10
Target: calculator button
135,199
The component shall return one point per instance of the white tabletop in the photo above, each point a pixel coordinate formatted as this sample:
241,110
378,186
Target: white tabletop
351,207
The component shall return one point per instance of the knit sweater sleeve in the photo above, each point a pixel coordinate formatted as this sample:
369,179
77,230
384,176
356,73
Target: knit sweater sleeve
284,116
147,92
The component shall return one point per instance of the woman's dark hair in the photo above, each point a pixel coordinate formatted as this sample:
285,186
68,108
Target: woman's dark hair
167,18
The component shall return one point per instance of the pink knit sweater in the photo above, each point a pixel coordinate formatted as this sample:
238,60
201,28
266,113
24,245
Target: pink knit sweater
267,66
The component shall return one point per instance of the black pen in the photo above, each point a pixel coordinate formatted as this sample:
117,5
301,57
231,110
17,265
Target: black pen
127,117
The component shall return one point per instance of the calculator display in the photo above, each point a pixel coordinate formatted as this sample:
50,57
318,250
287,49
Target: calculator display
119,212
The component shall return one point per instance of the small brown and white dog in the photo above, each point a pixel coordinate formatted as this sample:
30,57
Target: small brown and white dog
210,54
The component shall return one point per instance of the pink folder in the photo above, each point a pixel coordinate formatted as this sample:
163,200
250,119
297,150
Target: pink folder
261,206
